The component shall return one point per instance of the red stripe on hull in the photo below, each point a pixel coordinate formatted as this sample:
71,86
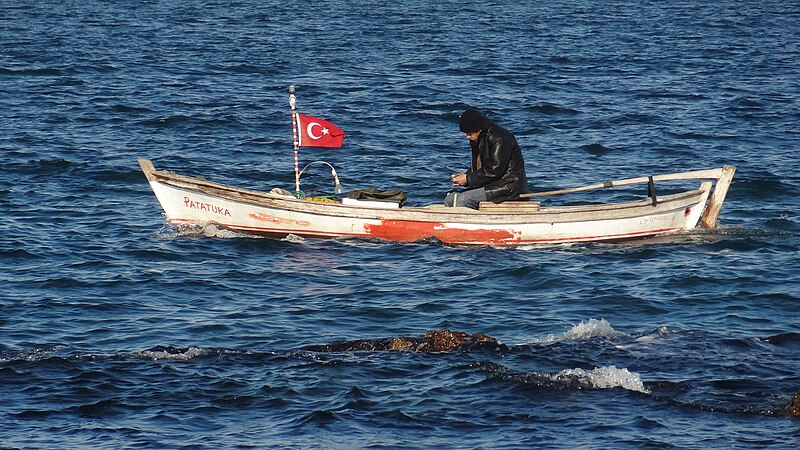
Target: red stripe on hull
404,231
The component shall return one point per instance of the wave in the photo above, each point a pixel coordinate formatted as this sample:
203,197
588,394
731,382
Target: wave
37,353
209,230
157,353
783,339
552,110
783,223
634,119
42,166
764,185
742,239
171,353
584,330
114,174
214,230
745,104
595,149
182,120
45,72
294,239
165,122
606,377
727,396
603,378
246,69
120,108
704,136
19,253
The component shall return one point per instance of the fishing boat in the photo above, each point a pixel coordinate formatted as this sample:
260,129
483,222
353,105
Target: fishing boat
196,202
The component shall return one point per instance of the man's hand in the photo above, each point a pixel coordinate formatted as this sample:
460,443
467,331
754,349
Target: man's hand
459,179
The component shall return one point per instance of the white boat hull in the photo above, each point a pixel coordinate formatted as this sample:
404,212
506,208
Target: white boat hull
196,202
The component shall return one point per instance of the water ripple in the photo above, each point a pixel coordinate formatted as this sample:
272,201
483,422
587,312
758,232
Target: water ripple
119,330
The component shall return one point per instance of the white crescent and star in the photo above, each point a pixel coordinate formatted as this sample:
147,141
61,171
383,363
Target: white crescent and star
311,134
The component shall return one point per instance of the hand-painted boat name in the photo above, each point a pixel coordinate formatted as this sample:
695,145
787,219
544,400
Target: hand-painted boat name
189,203
652,219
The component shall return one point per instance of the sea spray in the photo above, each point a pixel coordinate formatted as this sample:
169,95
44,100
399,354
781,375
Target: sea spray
293,238
604,378
172,353
584,330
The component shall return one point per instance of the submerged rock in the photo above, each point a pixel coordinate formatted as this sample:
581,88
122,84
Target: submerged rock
433,341
794,405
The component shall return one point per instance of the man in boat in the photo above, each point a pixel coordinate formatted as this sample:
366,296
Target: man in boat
498,169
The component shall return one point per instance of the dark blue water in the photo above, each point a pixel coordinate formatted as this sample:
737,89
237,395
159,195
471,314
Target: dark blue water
116,331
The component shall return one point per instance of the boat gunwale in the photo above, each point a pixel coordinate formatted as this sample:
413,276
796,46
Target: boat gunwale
433,213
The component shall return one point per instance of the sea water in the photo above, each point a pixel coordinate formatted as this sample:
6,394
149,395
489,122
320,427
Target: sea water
118,331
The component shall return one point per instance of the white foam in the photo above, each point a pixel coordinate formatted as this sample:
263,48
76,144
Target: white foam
646,340
604,378
209,229
586,330
650,338
213,230
187,354
293,238
167,232
36,354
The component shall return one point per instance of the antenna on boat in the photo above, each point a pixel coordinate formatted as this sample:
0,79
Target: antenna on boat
292,104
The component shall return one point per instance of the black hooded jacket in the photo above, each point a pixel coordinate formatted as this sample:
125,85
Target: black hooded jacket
497,164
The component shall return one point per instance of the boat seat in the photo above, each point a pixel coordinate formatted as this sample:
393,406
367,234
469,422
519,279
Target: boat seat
448,209
511,207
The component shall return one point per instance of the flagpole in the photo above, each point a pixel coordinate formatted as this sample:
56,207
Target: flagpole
292,104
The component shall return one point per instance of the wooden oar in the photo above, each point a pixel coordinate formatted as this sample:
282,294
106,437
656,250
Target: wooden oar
697,174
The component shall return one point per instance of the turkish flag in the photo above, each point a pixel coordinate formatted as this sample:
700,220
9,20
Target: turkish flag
314,132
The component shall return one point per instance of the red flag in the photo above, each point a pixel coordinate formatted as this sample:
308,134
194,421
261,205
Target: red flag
314,132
